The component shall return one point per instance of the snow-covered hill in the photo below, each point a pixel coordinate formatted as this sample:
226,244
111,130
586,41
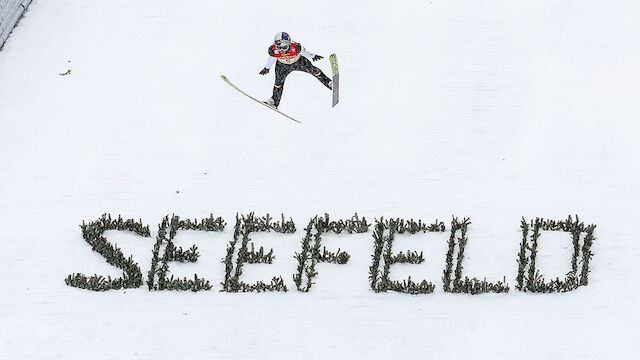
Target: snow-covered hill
489,110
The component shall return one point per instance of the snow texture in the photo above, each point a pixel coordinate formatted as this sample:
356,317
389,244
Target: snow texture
10,13
493,110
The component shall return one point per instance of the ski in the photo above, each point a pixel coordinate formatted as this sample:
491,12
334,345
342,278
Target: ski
333,59
256,100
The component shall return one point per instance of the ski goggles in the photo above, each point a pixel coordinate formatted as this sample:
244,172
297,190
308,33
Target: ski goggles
282,45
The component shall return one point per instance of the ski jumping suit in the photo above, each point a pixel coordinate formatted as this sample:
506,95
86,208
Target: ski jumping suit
292,60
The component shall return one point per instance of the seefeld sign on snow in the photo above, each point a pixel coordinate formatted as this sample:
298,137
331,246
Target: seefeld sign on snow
241,252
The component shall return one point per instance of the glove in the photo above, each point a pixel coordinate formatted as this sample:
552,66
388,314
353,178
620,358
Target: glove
316,58
264,71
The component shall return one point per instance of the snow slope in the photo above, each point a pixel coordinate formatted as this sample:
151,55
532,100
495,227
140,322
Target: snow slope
491,110
10,13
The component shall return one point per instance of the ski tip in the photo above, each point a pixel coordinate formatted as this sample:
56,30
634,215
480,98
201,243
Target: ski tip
223,77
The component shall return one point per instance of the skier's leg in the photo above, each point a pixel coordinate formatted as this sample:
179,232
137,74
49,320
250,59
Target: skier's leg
277,93
307,66
281,74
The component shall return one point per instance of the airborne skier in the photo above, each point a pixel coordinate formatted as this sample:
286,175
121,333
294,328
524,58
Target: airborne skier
290,56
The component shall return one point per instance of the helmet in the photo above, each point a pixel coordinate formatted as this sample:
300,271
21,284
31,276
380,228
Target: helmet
282,41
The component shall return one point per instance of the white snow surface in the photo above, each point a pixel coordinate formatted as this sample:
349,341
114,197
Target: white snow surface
493,110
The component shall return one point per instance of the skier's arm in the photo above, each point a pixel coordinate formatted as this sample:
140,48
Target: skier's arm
308,54
270,62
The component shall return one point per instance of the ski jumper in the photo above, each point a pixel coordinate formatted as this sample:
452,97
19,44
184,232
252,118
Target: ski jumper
294,59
